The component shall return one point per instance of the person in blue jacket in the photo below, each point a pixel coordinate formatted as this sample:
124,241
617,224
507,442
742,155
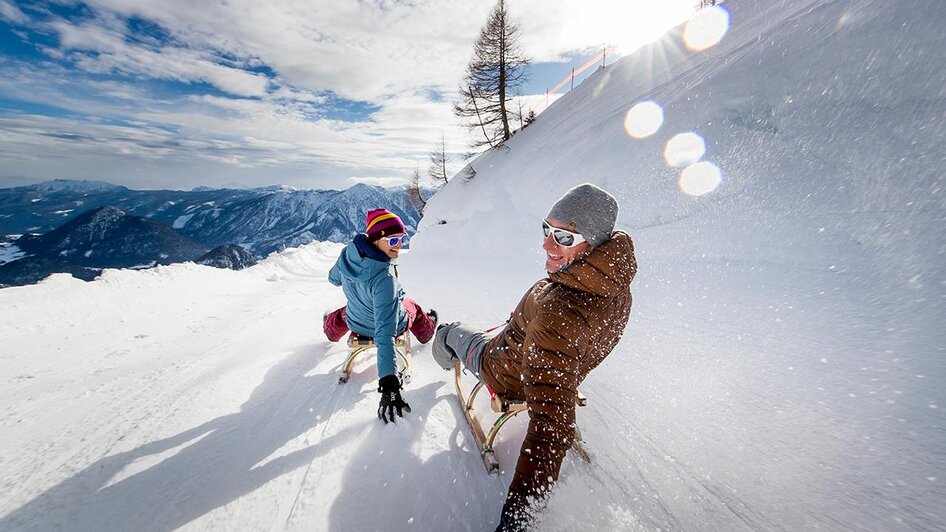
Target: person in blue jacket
376,307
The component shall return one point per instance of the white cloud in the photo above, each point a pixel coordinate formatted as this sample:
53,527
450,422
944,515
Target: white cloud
12,13
359,50
379,181
235,133
278,62
144,157
111,52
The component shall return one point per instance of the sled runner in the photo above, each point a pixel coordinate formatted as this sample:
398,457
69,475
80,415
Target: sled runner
506,410
360,344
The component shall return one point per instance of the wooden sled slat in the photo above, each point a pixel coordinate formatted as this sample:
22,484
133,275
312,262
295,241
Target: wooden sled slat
507,410
360,344
466,403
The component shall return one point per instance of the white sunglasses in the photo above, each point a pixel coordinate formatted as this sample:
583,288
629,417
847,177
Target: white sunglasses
564,238
393,240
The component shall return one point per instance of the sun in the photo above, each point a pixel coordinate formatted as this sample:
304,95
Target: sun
634,23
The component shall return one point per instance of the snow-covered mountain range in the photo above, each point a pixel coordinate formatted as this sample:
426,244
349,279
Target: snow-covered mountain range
105,237
782,369
262,220
180,225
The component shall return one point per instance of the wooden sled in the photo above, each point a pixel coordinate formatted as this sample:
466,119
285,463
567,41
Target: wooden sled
506,410
360,344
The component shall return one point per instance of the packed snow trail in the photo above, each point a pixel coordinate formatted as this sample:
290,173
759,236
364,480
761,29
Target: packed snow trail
199,398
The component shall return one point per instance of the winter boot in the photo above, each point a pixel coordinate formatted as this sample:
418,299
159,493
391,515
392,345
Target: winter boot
445,357
333,325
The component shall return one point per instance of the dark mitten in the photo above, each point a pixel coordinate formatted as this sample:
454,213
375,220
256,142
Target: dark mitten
391,401
513,519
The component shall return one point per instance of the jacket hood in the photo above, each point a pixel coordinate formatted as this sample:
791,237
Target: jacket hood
362,260
609,268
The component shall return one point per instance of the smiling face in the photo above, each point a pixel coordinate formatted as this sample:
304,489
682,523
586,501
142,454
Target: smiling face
385,246
558,256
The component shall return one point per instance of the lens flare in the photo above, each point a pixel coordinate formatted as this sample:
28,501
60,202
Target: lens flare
706,28
644,119
684,149
700,178
842,21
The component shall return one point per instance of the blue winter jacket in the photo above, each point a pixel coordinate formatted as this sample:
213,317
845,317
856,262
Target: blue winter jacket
374,309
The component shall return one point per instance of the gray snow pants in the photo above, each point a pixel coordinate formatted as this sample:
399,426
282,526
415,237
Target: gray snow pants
459,341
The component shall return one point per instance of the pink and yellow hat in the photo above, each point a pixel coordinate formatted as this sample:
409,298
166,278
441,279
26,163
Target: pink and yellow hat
382,222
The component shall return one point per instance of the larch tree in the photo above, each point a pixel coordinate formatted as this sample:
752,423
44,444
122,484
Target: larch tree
415,193
438,162
495,73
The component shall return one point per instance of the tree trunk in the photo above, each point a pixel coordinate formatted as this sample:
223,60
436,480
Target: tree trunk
502,76
478,117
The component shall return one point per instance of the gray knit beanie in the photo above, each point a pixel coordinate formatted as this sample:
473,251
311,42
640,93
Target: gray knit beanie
589,211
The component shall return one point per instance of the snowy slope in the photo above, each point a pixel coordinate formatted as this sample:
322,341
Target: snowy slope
782,369
784,362
189,396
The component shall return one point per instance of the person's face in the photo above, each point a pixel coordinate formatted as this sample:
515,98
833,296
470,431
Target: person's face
384,244
557,255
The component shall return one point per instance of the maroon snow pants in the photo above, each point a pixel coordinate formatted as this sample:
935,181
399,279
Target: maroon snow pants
417,321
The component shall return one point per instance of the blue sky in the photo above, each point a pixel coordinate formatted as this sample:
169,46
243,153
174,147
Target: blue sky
314,94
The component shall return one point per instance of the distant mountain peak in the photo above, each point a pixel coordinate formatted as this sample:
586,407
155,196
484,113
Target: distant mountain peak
104,237
97,222
277,188
106,212
229,256
75,185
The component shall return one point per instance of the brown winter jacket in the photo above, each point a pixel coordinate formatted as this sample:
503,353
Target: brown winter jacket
563,327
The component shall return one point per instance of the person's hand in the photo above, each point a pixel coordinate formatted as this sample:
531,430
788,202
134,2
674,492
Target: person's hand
512,519
391,401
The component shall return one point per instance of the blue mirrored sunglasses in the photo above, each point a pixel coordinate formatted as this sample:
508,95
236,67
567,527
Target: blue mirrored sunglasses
564,238
394,240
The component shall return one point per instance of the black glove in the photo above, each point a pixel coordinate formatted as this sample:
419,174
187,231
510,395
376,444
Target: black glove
513,519
390,388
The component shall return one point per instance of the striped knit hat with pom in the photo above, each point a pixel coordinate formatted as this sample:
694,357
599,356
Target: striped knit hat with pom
382,222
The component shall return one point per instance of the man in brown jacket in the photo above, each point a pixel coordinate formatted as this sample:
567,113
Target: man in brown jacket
563,327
